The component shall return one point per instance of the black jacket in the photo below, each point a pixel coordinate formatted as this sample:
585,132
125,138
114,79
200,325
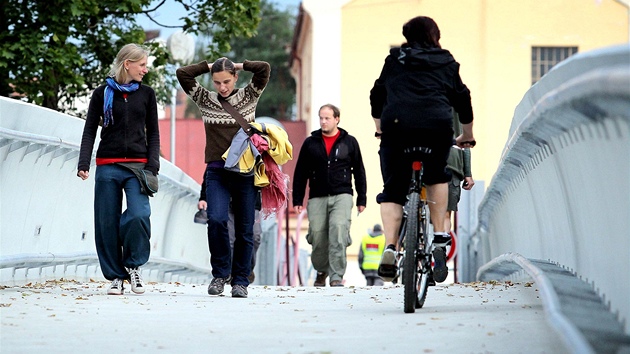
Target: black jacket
134,132
417,88
329,175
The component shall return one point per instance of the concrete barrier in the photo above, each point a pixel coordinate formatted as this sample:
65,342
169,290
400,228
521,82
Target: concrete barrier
562,190
46,211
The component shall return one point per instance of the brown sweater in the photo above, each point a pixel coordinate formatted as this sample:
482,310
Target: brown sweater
219,124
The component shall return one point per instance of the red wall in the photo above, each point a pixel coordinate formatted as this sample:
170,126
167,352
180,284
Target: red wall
190,142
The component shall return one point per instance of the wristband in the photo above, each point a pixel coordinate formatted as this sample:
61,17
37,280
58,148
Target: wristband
377,134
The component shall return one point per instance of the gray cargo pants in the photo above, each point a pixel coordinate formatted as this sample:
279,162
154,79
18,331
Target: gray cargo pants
329,233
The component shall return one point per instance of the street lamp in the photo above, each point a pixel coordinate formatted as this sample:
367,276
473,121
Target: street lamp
182,48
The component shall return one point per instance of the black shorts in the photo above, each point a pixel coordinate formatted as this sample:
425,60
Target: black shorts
396,165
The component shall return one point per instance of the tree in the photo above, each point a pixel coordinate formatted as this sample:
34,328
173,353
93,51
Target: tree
54,51
271,44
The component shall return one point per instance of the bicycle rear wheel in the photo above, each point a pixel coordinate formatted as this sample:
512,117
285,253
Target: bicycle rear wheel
411,265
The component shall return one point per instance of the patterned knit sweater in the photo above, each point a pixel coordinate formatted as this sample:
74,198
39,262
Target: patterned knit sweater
220,126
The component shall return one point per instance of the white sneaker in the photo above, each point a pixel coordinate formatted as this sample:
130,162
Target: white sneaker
387,268
116,288
137,286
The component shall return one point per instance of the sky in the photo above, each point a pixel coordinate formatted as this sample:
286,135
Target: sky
171,11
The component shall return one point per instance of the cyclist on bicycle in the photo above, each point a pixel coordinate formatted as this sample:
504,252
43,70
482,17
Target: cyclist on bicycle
412,102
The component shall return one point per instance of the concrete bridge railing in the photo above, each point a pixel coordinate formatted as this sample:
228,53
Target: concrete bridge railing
46,211
562,190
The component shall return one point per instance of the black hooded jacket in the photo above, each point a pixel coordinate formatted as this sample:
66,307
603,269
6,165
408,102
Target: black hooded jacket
329,175
417,89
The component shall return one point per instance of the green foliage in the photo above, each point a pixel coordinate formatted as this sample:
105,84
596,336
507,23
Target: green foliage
224,20
271,44
53,52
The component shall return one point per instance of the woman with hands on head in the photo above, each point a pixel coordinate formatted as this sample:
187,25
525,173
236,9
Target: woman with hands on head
222,185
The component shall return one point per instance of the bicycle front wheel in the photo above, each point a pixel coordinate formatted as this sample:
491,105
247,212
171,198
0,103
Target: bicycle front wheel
411,266
424,269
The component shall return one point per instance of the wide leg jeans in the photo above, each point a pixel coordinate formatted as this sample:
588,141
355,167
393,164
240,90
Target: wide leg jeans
121,237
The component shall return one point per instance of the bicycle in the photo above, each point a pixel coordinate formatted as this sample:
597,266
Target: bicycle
414,244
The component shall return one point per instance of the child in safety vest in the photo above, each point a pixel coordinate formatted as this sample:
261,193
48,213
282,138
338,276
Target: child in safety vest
372,247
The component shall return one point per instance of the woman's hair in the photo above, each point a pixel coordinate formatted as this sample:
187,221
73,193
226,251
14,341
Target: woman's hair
132,52
422,31
223,64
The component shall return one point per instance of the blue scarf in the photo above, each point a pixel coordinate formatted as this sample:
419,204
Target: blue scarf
108,102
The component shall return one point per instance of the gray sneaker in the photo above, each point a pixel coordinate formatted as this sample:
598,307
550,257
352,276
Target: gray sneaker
239,290
216,286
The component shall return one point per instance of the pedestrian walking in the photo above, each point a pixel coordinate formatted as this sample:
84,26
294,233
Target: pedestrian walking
459,164
130,141
328,160
226,186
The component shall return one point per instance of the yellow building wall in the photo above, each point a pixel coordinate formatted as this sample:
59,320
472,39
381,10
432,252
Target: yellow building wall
492,41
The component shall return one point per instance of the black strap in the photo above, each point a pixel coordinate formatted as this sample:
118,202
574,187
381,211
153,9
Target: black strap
236,115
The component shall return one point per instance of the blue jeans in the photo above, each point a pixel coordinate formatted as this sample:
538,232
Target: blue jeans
122,238
221,187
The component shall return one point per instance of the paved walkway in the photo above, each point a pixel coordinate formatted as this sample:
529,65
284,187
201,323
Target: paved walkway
74,317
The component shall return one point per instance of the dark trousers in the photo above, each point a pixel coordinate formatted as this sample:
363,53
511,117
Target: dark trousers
221,187
122,238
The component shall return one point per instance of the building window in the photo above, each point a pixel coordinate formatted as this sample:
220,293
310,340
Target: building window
545,58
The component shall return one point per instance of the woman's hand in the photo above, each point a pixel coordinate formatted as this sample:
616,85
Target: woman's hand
238,66
83,175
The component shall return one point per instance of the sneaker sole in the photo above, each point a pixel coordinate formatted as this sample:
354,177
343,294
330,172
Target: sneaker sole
115,292
138,291
212,292
387,269
440,270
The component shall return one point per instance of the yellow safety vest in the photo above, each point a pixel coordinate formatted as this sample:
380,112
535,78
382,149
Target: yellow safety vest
372,247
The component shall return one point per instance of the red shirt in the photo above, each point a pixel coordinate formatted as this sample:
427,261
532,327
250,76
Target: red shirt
329,141
107,161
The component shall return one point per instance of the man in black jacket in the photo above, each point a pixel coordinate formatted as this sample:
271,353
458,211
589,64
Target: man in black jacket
327,160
